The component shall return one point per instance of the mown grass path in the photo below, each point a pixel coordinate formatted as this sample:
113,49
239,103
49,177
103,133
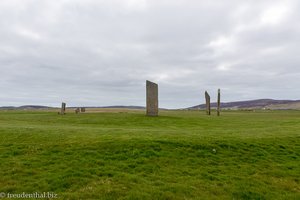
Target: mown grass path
126,155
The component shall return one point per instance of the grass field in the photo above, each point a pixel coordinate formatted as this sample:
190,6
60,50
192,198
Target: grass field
126,155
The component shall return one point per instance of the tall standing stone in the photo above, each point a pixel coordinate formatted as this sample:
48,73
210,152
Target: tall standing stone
219,103
152,98
63,108
207,99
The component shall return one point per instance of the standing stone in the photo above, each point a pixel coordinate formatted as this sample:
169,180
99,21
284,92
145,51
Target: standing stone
63,108
152,98
207,99
219,102
82,110
77,110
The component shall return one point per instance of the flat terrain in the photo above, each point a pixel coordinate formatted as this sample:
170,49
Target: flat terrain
126,155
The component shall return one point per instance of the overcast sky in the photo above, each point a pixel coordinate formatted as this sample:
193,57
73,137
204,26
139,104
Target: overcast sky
100,53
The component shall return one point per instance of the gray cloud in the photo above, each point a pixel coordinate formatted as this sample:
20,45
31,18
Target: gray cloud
90,52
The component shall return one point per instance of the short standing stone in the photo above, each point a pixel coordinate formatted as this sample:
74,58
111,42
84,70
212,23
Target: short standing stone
82,110
63,108
207,99
152,98
219,102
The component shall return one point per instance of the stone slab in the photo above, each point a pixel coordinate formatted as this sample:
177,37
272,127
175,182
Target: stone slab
151,98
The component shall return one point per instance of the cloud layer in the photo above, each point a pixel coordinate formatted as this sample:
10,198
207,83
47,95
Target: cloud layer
96,52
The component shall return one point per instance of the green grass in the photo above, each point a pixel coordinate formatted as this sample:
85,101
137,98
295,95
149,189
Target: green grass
178,155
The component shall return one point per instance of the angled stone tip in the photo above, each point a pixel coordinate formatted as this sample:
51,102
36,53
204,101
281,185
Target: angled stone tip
150,82
206,94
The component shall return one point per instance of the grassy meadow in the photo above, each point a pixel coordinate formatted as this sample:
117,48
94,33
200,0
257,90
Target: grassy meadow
121,154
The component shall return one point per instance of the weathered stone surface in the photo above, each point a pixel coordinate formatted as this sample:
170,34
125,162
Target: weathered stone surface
152,98
63,108
77,110
82,110
207,99
219,102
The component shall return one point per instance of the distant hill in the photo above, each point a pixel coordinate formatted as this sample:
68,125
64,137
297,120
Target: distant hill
255,104
37,107
125,107
237,105
26,107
